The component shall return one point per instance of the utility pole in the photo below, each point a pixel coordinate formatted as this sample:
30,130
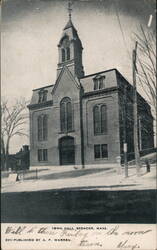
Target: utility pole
124,132
136,148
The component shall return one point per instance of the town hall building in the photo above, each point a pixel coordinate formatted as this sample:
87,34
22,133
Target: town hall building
84,119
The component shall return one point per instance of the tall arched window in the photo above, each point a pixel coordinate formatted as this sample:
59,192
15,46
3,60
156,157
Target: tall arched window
39,128
100,119
63,55
45,127
103,113
96,120
68,53
66,114
62,116
69,116
42,127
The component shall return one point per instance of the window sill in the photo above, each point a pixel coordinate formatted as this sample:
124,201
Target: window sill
98,89
66,132
100,159
100,134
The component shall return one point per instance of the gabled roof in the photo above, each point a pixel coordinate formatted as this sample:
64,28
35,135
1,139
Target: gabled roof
109,80
69,25
65,68
47,86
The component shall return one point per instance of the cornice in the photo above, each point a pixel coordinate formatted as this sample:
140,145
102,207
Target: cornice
40,105
100,92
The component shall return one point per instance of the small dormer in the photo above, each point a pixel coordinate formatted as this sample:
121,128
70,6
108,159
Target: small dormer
99,82
42,96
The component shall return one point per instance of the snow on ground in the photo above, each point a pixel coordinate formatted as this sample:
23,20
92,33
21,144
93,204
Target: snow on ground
84,179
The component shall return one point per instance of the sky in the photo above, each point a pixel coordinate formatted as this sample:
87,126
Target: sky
31,30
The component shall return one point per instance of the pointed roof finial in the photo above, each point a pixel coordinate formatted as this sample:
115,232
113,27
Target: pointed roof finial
69,9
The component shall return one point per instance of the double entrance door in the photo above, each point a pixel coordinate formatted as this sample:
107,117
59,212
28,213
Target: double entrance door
67,150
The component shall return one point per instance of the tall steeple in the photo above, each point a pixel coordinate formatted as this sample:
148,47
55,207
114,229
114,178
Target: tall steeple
70,48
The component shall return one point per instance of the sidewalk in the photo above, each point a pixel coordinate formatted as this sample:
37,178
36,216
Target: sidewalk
84,179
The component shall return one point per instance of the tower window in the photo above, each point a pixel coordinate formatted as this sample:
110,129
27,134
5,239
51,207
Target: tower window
63,55
66,115
99,82
65,43
68,53
100,119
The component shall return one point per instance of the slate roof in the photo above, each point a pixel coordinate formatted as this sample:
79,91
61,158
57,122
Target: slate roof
110,80
35,96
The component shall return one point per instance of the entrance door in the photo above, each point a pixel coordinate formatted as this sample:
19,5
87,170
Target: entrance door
67,150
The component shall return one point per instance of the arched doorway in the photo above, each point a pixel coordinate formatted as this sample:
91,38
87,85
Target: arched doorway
67,150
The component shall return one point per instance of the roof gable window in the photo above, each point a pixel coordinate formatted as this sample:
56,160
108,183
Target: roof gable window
42,96
99,82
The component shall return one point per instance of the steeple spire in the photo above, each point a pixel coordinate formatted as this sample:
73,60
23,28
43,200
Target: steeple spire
69,9
70,48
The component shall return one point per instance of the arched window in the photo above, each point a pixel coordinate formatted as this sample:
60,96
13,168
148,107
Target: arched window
100,119
96,119
63,55
68,53
63,116
66,114
69,116
103,113
45,127
42,128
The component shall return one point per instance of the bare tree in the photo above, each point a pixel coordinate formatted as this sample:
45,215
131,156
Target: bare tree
146,65
13,120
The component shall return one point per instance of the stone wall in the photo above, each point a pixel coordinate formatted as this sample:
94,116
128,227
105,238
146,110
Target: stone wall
111,138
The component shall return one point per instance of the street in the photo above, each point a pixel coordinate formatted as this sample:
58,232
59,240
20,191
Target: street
81,196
